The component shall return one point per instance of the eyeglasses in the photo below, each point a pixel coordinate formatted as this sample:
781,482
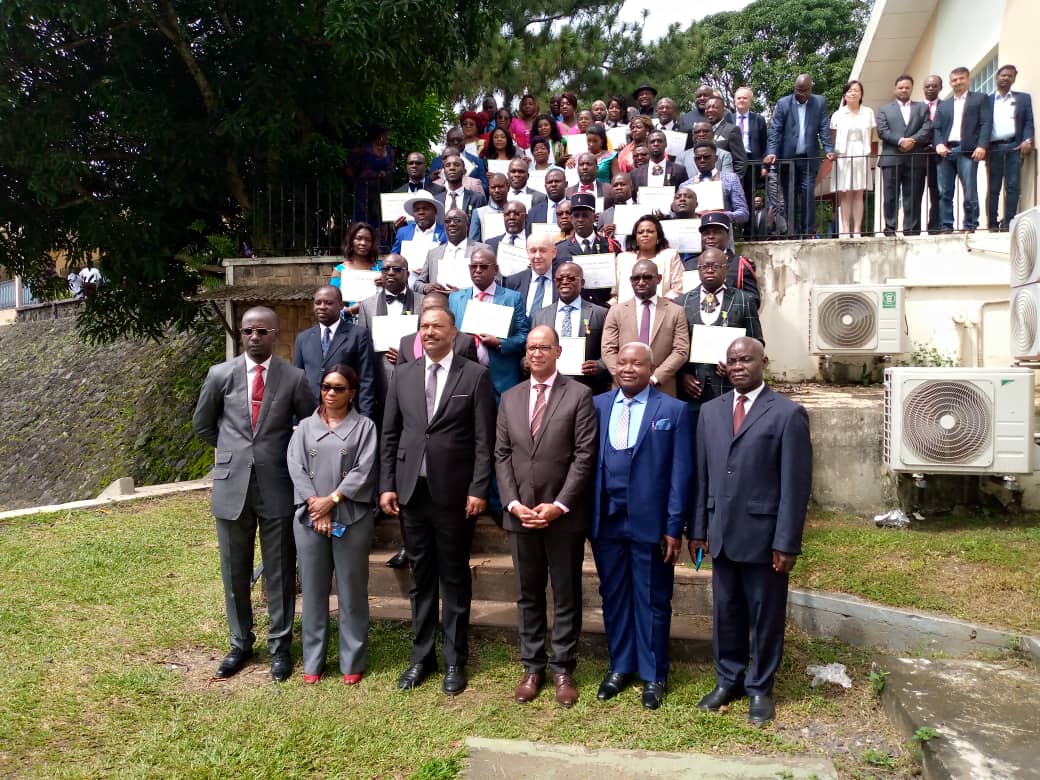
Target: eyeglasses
261,332
327,388
540,347
479,266
393,269
709,266
642,278
566,278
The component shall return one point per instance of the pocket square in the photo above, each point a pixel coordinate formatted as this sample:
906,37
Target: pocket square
463,395
661,425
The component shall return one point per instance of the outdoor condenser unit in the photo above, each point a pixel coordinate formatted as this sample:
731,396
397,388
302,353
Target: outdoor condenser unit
857,319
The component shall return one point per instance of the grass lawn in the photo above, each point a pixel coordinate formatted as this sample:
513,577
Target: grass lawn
112,622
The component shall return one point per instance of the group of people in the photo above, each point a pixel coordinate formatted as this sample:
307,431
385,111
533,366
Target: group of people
570,414
84,281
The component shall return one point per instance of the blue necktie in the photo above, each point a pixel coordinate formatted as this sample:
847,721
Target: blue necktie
566,330
325,340
539,295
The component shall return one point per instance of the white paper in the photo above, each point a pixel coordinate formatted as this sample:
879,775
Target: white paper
599,204
523,197
389,329
470,165
536,180
618,136
511,259
598,270
357,285
572,176
576,144
488,318
656,199
415,251
572,357
684,235
454,273
391,205
498,166
708,343
690,280
626,216
542,229
709,196
676,142
492,223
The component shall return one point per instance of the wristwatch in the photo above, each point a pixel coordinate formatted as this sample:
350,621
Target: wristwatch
335,497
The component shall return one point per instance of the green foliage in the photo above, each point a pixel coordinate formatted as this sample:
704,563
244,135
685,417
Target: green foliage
878,758
877,679
928,356
925,733
440,768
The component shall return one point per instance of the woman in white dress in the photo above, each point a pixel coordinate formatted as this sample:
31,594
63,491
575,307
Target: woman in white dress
851,127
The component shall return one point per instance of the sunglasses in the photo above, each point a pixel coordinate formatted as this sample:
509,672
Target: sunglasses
261,332
393,269
479,266
327,388
642,278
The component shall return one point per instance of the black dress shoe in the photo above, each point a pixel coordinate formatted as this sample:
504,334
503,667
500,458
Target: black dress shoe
653,694
454,680
761,709
281,667
720,696
612,685
414,675
399,561
233,662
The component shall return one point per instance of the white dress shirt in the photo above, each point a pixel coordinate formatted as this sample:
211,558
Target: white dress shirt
455,252
751,395
658,180
547,291
958,117
904,109
251,377
1003,116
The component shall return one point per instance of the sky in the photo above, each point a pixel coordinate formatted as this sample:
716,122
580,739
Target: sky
664,12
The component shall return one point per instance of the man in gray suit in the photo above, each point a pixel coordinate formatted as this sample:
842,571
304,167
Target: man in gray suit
457,250
246,410
904,128
395,298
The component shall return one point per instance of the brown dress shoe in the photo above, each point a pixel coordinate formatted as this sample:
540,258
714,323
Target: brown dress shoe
528,688
566,690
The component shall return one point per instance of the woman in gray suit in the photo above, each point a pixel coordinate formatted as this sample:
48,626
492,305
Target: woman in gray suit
333,462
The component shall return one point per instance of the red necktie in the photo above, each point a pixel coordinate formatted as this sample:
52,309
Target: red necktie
586,188
739,413
258,395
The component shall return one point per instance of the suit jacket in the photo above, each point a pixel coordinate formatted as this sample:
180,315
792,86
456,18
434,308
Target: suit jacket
592,319
695,115
728,137
976,122
504,362
494,242
428,273
464,347
428,185
604,191
1024,127
891,129
558,464
660,484
570,248
753,486
758,135
738,311
476,230
471,201
408,231
674,175
457,442
521,282
783,131
222,420
375,306
669,338
536,196
351,346
540,211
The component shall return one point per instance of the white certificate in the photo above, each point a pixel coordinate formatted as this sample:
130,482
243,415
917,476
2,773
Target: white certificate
684,235
708,343
492,223
576,144
690,280
618,136
523,197
511,259
358,285
536,180
572,176
572,357
498,166
598,270
415,250
709,196
391,205
454,273
489,318
625,218
389,329
542,229
656,199
676,142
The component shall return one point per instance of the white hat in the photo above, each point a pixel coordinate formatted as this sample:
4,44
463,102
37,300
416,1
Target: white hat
422,196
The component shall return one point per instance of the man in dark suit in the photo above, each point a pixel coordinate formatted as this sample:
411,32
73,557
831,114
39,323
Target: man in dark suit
499,190
624,195
246,410
514,217
696,114
754,135
586,241
518,174
1010,143
438,437
458,249
556,192
931,87
411,347
587,184
535,284
643,478
961,133
418,179
334,340
754,475
904,128
716,231
660,171
800,127
394,299
644,96
759,219
572,317
454,195
455,140
726,134
545,455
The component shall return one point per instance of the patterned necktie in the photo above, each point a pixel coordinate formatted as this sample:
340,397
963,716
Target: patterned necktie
257,398
539,295
482,353
739,413
709,303
539,410
619,436
431,392
565,327
454,200
658,170
326,339
644,324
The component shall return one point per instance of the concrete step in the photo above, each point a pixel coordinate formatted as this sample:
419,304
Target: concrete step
487,536
986,716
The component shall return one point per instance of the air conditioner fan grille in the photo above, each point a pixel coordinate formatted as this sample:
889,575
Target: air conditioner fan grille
848,320
947,421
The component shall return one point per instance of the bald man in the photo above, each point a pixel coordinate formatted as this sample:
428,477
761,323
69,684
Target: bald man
535,284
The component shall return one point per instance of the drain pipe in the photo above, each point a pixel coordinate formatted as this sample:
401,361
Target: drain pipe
979,341
965,325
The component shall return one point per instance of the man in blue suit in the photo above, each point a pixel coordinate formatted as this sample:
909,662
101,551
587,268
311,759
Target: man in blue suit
501,356
643,485
961,132
428,225
1011,142
800,126
754,475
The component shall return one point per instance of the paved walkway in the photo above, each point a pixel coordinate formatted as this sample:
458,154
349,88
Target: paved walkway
120,490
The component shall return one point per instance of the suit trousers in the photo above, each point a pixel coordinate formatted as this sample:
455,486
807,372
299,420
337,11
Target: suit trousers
538,558
959,165
798,183
1003,172
237,540
348,555
438,541
636,587
749,606
750,182
934,218
905,182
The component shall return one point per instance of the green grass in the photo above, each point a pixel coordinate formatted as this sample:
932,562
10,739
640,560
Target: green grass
112,622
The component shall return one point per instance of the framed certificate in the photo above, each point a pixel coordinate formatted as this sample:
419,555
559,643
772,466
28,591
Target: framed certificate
676,142
511,259
484,317
598,270
358,285
656,199
572,357
389,329
391,205
708,343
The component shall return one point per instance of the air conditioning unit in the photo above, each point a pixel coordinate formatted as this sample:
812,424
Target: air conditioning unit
1025,322
1025,248
959,420
857,319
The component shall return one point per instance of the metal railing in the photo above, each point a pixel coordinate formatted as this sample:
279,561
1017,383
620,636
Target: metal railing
300,217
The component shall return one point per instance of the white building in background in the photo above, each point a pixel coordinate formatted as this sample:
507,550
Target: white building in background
925,37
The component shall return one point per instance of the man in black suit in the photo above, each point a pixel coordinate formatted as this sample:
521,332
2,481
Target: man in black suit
644,96
754,135
1011,142
586,241
514,217
931,87
666,112
455,195
904,128
411,347
556,193
759,219
587,184
726,134
624,195
754,476
418,178
660,171
436,457
545,455
518,175
394,299
535,284
334,340
696,114
572,317
963,124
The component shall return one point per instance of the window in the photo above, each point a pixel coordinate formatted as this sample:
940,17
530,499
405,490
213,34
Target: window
984,78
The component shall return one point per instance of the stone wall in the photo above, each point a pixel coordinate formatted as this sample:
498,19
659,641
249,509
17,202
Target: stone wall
52,310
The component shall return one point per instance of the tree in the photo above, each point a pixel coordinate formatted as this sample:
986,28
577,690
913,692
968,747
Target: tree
133,128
